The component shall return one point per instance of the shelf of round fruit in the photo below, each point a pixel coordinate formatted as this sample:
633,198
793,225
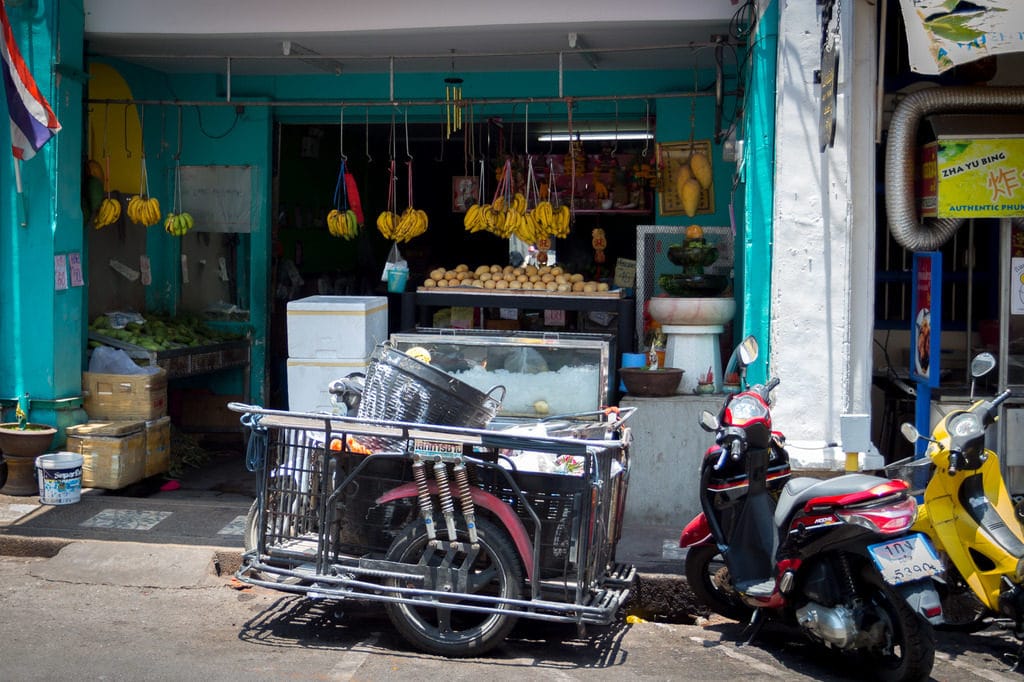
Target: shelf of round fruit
526,280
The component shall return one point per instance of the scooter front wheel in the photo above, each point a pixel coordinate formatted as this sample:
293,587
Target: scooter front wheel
709,581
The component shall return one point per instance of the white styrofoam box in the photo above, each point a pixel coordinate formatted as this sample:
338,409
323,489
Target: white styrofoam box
336,326
308,379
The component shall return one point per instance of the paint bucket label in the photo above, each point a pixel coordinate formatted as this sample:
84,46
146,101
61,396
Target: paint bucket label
60,478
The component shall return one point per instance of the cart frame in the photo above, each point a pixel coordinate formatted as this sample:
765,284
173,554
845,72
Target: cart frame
326,507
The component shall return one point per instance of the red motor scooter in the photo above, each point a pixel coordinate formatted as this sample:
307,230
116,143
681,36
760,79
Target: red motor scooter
832,557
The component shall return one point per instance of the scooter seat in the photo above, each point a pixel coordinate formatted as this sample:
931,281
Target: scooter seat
799,490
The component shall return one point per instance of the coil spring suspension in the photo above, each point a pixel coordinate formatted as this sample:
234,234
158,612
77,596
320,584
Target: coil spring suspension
419,475
466,500
444,494
846,576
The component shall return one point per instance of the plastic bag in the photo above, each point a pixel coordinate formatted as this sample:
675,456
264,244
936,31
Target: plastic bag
395,262
107,360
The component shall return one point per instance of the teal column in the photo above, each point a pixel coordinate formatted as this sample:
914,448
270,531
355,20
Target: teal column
41,328
759,153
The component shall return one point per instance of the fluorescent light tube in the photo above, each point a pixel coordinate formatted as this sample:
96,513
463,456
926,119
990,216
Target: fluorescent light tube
591,137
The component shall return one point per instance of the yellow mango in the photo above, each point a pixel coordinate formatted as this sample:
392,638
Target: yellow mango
690,196
701,168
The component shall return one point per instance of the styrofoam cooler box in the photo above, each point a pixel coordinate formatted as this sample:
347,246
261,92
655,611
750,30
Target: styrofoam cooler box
308,379
336,326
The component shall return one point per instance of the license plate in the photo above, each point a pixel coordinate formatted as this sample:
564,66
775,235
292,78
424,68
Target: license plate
908,558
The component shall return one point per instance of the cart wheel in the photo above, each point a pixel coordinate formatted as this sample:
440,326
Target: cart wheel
251,538
496,571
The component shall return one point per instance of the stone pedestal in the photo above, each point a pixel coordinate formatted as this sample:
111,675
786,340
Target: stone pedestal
694,349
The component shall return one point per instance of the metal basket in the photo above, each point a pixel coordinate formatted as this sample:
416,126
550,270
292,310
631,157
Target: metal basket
401,388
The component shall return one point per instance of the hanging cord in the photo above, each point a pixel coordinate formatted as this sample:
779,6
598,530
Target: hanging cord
572,157
256,448
177,169
144,176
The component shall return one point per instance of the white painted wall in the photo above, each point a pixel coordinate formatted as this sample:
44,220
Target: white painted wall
327,16
823,251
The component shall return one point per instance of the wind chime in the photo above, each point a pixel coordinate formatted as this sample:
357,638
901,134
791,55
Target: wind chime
452,102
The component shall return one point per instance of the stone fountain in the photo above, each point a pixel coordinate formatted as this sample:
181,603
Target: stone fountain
694,313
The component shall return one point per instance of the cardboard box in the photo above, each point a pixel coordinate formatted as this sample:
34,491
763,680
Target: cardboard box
158,446
125,397
113,452
308,380
336,326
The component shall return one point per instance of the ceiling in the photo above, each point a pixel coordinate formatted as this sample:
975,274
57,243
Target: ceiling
318,36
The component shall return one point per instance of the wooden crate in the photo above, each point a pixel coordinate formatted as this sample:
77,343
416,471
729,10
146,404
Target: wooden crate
125,396
158,446
113,452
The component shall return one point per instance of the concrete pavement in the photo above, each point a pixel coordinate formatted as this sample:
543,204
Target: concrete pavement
198,530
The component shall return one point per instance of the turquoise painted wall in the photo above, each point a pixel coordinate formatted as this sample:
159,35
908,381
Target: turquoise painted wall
41,328
759,161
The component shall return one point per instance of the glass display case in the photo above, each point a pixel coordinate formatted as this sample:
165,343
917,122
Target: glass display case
544,374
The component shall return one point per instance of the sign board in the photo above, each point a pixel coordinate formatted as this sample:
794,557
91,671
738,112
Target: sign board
972,178
828,74
218,197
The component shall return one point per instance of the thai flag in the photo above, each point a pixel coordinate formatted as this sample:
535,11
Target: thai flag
33,122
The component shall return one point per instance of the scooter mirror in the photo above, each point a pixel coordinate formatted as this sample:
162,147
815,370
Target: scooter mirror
748,350
708,421
910,432
982,364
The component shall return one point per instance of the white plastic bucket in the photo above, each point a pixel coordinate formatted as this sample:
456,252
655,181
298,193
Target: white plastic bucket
60,477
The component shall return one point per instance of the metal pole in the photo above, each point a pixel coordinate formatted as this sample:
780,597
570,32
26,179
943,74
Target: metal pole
406,103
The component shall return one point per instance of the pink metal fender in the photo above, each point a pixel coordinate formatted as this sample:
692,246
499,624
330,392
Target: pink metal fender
697,532
513,524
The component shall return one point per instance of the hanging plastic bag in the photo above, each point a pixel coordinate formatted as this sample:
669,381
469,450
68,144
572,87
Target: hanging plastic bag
396,271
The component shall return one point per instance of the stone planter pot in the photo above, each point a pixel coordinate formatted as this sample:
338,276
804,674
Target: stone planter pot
20,448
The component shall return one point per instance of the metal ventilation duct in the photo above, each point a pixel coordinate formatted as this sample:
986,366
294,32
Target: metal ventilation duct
901,157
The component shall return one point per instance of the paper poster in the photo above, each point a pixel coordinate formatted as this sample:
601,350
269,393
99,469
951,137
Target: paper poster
942,34
1017,286
60,272
75,265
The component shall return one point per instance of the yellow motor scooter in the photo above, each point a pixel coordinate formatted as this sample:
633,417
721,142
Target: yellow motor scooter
969,515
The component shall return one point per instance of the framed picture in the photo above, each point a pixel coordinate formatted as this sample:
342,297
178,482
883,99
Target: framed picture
671,157
465,192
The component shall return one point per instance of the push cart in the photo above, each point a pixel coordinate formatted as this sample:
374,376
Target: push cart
459,531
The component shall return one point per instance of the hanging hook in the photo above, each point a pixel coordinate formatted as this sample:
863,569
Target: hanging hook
551,137
341,134
127,152
177,156
647,128
615,145
407,154
369,159
142,129
526,131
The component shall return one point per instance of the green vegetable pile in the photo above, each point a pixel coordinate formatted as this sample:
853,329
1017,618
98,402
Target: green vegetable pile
159,333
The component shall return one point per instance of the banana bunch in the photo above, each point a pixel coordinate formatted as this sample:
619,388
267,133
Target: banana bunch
144,210
343,224
177,224
502,216
108,213
402,228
